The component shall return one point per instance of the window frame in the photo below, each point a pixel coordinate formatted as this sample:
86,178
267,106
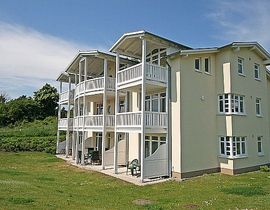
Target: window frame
150,139
259,106
199,69
149,101
208,65
242,73
258,70
233,146
230,103
260,142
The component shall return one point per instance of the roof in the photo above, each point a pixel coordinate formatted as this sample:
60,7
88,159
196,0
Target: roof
149,35
95,53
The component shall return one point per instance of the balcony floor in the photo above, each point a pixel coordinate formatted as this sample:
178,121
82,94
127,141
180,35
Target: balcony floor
110,171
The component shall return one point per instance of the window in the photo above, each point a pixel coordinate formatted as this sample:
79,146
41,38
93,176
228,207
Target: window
206,65
257,71
231,104
240,66
80,137
155,102
259,145
147,103
232,146
152,143
258,107
122,106
157,56
99,109
162,102
197,64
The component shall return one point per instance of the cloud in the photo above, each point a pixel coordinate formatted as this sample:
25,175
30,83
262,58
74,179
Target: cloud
242,20
29,58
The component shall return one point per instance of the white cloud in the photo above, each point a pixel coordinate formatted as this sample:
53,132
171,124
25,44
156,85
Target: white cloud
243,20
29,58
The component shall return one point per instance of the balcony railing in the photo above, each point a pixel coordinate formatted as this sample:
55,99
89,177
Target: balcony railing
129,119
93,121
156,119
152,119
96,84
134,73
64,122
64,96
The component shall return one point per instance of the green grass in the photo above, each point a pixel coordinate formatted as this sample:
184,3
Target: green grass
32,180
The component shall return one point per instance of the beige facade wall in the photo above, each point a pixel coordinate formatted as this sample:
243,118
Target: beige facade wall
196,123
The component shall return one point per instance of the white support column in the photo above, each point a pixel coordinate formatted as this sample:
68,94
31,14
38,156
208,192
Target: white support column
143,108
104,112
59,117
168,136
77,148
116,111
68,116
73,145
84,114
80,70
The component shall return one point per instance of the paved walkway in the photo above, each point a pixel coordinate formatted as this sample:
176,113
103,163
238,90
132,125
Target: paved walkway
110,171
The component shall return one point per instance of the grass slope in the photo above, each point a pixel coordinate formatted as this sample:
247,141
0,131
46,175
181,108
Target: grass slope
33,180
39,135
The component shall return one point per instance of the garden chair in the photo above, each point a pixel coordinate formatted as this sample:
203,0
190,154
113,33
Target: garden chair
133,166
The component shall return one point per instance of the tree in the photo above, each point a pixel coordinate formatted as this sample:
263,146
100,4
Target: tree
3,97
47,98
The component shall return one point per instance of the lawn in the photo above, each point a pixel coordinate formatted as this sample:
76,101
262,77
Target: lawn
33,180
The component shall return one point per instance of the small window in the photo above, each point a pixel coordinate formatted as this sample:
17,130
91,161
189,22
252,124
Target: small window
240,66
155,103
257,71
162,102
197,64
206,65
258,107
147,103
259,145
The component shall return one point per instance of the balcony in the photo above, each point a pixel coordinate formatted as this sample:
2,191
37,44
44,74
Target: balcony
63,97
133,120
63,124
133,75
94,122
95,86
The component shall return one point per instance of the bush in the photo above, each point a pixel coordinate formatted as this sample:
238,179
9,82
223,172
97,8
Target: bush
16,144
265,168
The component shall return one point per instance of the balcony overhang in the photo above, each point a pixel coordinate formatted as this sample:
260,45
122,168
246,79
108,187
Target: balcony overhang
95,64
130,44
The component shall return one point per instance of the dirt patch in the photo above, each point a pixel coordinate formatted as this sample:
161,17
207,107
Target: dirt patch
142,202
191,206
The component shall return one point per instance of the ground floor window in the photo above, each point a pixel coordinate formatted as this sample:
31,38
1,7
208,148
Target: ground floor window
80,137
232,146
259,145
152,142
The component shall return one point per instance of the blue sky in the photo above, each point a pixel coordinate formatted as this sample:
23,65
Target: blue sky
39,38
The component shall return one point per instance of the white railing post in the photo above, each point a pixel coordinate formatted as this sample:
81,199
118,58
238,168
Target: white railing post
104,113
143,108
116,111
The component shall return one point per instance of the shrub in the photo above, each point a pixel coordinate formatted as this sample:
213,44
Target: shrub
265,168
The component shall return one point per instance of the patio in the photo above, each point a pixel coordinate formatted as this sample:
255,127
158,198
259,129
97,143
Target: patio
110,171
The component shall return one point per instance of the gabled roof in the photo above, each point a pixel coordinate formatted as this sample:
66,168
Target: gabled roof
149,36
94,53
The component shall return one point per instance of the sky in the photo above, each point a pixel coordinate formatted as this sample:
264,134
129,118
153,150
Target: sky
39,38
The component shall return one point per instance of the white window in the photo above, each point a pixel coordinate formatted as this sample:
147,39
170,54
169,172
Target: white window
257,71
162,102
122,106
259,145
232,147
258,107
197,64
80,137
231,104
157,56
99,109
240,66
155,102
207,65
152,143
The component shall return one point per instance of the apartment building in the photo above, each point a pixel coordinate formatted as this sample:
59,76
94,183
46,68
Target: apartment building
180,111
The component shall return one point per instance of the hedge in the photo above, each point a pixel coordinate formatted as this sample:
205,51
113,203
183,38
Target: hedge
40,144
